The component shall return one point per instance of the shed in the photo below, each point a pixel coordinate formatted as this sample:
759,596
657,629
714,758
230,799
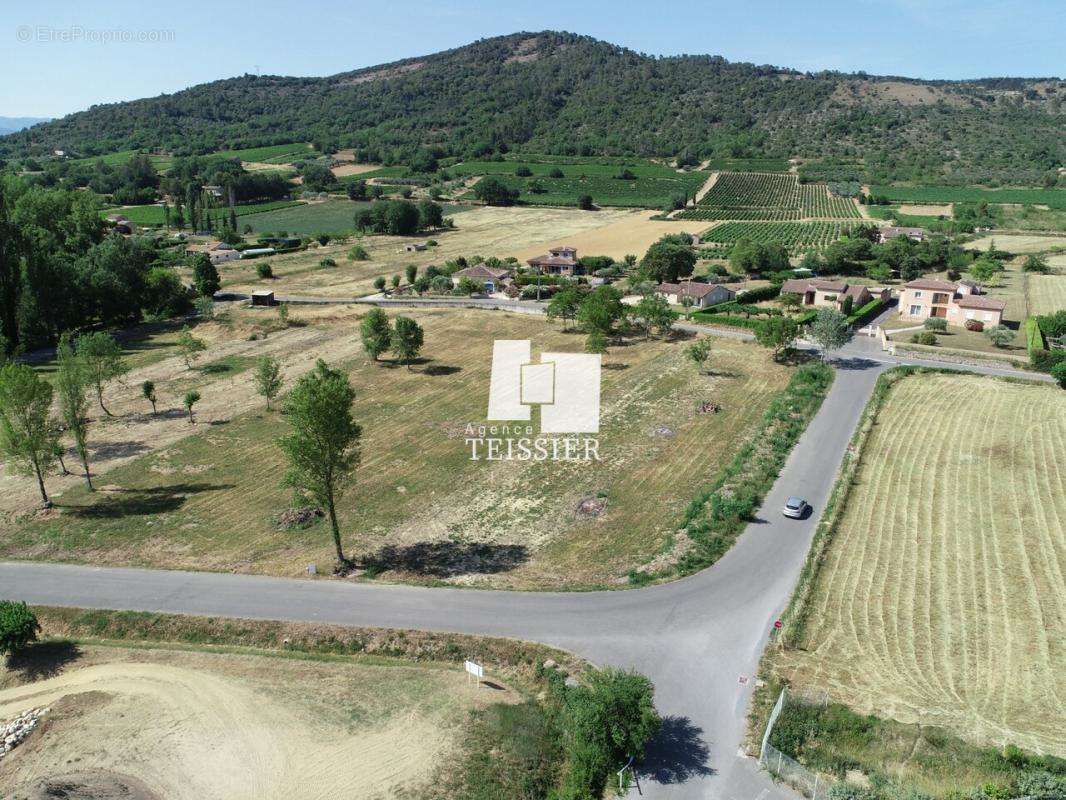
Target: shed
262,297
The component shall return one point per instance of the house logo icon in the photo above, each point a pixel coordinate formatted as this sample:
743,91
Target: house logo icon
566,386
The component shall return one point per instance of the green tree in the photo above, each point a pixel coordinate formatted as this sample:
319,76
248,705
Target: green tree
190,346
192,397
1058,372
585,203
323,448
777,333
600,310
410,272
668,259
267,378
379,283
596,344
406,340
205,277
375,332
430,215
1000,335
18,627
1036,263
654,313
699,352
72,387
28,434
829,330
148,393
564,304
494,192
101,356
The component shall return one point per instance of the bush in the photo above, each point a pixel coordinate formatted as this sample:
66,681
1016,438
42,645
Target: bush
327,262
866,312
936,324
18,627
1046,360
358,253
760,294
974,325
1058,372
1000,335
585,202
927,338
263,270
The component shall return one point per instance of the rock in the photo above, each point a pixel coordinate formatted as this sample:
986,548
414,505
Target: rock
550,664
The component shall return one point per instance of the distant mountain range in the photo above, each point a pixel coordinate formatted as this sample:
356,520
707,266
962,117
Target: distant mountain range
566,94
12,124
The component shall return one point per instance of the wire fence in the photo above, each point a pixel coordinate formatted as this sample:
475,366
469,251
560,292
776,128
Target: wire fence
786,768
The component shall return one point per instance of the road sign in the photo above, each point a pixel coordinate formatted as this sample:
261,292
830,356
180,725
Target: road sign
475,669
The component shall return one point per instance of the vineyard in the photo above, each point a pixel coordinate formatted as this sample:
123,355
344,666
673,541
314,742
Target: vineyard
1052,198
792,235
769,196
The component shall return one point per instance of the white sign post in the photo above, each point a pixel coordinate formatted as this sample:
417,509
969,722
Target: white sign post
475,669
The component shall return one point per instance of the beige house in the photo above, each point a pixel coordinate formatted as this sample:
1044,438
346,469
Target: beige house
703,295
819,292
894,232
559,261
493,279
954,302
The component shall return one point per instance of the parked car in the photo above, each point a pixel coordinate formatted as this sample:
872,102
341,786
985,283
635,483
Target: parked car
796,507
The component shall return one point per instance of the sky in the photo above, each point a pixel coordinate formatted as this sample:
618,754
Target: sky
58,56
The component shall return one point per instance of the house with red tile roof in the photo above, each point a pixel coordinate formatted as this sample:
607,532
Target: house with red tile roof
558,261
954,302
820,292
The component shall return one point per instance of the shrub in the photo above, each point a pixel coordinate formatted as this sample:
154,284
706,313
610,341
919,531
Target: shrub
1058,372
974,325
523,172
585,202
263,270
327,262
358,253
936,324
1000,335
18,626
925,337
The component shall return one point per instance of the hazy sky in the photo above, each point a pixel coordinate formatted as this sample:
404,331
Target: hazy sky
44,73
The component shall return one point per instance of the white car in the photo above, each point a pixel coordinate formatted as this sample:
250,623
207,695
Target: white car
796,507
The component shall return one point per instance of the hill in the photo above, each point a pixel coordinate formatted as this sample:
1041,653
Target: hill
568,94
13,124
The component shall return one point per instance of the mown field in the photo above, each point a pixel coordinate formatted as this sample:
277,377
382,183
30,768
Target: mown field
941,599
748,164
653,185
792,235
1046,294
420,509
153,214
1053,198
769,196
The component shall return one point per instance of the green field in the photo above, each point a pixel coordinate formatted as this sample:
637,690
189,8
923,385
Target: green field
333,216
271,154
793,235
1053,198
770,196
161,163
653,185
153,214
749,164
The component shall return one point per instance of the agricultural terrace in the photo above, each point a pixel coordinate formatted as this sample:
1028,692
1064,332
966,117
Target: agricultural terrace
153,214
208,496
189,723
1053,198
941,598
795,236
769,196
652,185
483,230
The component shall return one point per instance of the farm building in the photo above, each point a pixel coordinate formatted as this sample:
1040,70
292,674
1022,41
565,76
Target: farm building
221,252
262,297
703,295
492,278
825,293
893,232
120,224
558,261
415,247
257,251
954,302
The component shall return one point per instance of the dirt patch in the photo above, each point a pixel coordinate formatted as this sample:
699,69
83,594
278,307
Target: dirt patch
91,785
591,507
947,210
342,170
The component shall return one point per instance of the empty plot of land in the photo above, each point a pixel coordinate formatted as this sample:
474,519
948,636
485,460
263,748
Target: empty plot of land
1047,293
632,233
1016,243
198,726
420,508
942,598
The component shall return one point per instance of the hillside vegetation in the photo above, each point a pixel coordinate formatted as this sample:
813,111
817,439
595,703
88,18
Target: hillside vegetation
562,93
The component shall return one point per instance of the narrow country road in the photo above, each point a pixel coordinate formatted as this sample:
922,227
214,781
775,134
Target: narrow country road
699,639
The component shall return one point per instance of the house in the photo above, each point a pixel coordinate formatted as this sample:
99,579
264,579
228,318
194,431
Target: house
825,293
559,261
954,302
120,224
703,295
493,279
215,191
892,232
415,247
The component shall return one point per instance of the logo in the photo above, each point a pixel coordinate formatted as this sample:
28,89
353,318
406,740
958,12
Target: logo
565,387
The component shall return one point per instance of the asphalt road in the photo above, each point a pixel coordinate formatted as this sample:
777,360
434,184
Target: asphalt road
697,638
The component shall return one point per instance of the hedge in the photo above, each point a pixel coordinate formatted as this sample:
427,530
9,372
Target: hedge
760,293
1034,337
728,320
866,312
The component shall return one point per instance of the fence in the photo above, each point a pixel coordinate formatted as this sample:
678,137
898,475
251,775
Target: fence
786,768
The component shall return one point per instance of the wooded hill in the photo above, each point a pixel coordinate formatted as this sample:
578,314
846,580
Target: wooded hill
566,94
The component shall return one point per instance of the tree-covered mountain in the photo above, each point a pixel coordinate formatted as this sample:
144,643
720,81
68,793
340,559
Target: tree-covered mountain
568,94
12,124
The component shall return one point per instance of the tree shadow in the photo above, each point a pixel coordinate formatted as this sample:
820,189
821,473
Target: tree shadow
677,753
142,502
42,660
854,363
109,450
436,370
615,366
794,358
448,559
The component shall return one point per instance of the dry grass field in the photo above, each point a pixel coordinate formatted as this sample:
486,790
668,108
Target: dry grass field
206,496
942,598
1047,293
185,724
485,231
1018,243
